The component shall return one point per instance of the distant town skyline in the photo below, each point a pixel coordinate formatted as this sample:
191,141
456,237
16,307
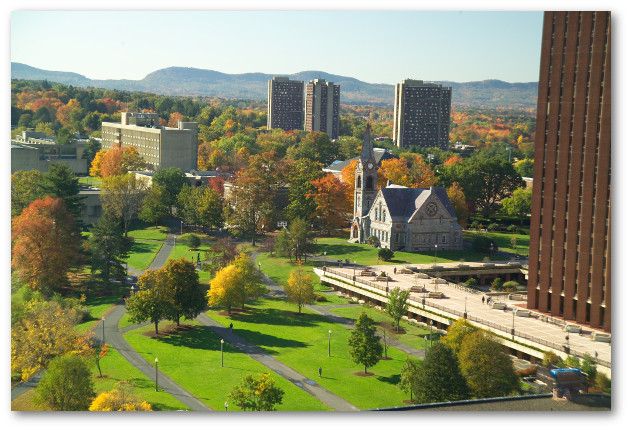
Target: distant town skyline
372,46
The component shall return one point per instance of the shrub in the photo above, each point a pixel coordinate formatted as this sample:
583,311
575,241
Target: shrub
472,282
474,224
602,382
511,228
385,254
383,274
320,298
497,284
481,244
550,359
191,239
510,286
372,241
493,227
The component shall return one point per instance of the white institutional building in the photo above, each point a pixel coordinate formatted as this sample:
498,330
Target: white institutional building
402,218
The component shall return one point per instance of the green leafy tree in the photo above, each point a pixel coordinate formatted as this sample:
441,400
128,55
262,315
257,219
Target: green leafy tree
315,146
25,189
440,378
301,238
525,167
153,302
519,204
108,248
154,206
456,333
123,196
283,244
365,345
60,182
188,295
409,377
171,181
222,253
299,176
92,146
64,136
210,208
257,393
67,385
299,288
589,367
488,370
397,305
372,241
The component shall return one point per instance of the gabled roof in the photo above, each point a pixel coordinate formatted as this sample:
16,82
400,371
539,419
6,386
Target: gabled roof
402,202
380,154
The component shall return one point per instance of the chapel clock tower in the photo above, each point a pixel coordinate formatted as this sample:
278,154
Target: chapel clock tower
365,177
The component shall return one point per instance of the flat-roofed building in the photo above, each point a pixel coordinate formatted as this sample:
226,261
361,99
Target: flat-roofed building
570,249
321,107
285,104
161,147
34,150
422,114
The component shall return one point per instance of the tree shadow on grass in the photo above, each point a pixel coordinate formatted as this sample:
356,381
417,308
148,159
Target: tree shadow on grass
267,342
394,379
280,317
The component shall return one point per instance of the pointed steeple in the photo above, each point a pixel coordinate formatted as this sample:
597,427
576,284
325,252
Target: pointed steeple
367,151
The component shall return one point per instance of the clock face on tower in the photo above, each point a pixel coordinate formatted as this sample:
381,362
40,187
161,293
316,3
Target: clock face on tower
431,209
370,166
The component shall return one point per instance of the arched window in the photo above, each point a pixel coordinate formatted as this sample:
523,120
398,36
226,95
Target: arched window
358,182
369,183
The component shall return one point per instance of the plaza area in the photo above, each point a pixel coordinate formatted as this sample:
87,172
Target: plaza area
533,328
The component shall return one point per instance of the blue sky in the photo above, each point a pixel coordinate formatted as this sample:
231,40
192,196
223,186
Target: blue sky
373,46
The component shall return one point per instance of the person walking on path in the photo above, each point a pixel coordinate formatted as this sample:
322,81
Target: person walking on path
483,300
320,371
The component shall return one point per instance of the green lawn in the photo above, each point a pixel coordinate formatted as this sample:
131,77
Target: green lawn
142,253
141,230
98,305
502,240
413,335
301,341
193,360
89,180
182,250
116,368
340,249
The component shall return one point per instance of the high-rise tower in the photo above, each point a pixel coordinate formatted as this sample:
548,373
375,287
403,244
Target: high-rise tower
321,107
422,114
570,250
285,103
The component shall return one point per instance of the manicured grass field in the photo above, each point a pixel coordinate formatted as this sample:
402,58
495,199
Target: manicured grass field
193,360
142,253
413,335
502,240
340,249
301,341
89,180
144,231
98,305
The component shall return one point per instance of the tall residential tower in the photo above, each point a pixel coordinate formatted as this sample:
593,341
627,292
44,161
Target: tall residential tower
570,249
422,114
285,104
322,107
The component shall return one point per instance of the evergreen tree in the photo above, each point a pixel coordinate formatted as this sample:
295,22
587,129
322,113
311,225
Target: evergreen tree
108,247
60,182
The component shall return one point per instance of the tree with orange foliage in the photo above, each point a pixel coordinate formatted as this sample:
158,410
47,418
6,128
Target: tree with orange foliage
347,177
452,160
330,198
95,169
422,174
217,184
396,170
174,119
45,244
116,161
111,164
458,200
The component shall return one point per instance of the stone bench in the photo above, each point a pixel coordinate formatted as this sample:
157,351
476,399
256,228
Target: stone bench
601,337
422,276
522,313
498,305
517,297
367,273
418,289
405,271
573,328
436,295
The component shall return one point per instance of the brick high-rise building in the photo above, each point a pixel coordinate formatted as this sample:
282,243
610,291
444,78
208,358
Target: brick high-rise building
422,114
285,104
569,254
321,107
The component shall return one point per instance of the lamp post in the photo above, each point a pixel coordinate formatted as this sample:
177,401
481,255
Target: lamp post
156,374
181,226
435,253
259,270
103,324
226,405
324,258
354,268
425,344
509,148
221,352
329,333
465,307
491,249
513,315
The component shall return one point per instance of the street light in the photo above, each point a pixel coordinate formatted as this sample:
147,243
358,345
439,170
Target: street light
491,249
103,319
181,228
259,267
324,258
221,352
329,333
354,269
156,374
226,405
435,253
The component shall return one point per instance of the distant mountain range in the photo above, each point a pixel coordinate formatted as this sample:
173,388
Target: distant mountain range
187,81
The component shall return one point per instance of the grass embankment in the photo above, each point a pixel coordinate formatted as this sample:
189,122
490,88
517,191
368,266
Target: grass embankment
301,342
193,360
502,240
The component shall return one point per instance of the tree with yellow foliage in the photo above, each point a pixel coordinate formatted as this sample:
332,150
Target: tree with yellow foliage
119,399
299,288
224,287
